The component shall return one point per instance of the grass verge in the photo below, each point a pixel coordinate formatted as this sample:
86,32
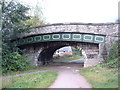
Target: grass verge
68,58
33,69
38,80
101,77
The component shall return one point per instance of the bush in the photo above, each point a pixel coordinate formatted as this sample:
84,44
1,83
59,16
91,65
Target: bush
111,64
114,52
14,62
113,57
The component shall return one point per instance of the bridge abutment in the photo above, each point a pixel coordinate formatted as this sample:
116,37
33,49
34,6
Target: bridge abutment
91,53
91,59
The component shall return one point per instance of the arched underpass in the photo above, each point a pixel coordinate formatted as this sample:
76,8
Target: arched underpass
42,53
46,54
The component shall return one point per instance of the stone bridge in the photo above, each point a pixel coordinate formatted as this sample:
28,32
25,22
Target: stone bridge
94,40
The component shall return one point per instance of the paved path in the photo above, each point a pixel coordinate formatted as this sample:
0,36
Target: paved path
77,61
81,61
69,77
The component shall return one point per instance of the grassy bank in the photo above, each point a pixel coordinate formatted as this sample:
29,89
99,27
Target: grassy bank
67,58
32,69
101,77
39,80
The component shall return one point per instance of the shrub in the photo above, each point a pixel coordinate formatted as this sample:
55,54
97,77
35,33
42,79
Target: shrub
111,64
113,57
14,62
114,52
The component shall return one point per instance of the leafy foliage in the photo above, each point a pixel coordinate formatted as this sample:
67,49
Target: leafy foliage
37,19
114,52
76,51
14,62
113,57
34,21
15,20
111,64
13,16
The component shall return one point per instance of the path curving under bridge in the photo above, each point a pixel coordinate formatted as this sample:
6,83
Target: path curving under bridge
69,77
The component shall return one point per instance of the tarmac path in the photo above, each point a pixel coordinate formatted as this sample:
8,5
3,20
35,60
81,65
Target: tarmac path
69,77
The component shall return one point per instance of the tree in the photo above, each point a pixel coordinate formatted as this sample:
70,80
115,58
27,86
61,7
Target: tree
13,16
34,21
14,21
37,18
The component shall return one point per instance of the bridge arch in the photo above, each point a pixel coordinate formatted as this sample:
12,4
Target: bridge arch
40,52
95,39
45,56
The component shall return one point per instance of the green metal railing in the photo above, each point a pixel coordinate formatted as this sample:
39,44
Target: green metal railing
64,36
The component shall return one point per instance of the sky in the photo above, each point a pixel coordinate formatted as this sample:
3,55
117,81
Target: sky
79,11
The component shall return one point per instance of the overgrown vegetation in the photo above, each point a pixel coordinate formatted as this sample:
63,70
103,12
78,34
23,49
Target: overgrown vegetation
14,62
14,17
101,77
38,80
105,75
77,51
113,57
38,18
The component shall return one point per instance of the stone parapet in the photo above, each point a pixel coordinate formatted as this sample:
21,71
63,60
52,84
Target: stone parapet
105,29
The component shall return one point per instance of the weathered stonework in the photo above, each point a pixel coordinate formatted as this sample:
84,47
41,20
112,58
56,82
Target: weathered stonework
105,29
97,52
37,51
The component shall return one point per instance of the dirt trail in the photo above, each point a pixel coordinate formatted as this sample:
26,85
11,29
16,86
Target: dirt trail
69,77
